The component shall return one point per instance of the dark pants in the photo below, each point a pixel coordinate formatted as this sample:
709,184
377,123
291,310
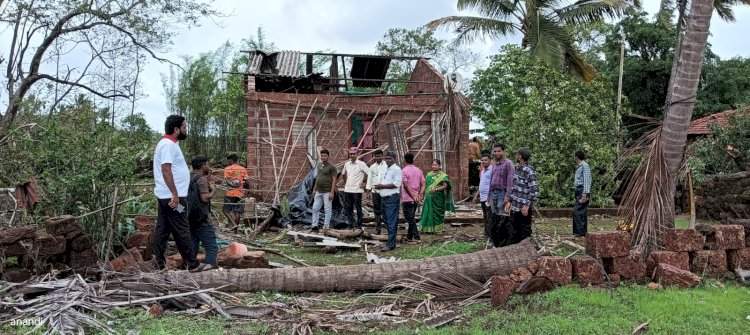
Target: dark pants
487,222
410,211
580,214
377,210
501,229
389,206
353,201
203,233
169,221
521,226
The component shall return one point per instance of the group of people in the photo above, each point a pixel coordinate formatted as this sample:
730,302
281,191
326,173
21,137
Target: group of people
390,187
184,199
508,193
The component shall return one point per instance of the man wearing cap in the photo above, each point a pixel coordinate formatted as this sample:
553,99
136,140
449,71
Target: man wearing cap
389,189
355,178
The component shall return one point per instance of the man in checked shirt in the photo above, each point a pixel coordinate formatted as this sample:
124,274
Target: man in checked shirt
582,183
523,196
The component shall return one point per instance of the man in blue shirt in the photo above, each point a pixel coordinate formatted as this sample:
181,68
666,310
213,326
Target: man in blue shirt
582,183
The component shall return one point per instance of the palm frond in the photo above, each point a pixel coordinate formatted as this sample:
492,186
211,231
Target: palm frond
490,8
546,40
470,27
647,204
587,11
724,8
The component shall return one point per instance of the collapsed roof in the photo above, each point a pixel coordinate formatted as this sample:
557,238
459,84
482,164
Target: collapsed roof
295,71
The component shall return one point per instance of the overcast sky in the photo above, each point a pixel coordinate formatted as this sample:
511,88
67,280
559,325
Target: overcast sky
350,26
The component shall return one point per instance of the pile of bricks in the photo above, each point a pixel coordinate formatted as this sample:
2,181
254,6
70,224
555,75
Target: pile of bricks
687,255
137,256
60,245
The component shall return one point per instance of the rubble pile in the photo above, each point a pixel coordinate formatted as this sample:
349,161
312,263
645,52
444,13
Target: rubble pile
688,255
59,245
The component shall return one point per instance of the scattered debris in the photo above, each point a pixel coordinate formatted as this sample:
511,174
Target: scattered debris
380,313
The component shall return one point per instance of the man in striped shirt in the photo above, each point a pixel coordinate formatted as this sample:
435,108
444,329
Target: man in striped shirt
582,183
523,196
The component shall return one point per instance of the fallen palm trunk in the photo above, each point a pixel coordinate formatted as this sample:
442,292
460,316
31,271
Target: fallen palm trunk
478,266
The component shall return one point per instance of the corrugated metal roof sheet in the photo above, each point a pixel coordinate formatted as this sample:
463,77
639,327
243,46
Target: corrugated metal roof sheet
283,63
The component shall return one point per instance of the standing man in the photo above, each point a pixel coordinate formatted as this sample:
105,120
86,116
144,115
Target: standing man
524,194
323,191
485,176
374,176
200,193
582,183
235,176
389,188
355,177
171,182
474,155
501,180
412,193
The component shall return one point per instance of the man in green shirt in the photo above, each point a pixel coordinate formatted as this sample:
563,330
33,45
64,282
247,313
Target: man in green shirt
323,191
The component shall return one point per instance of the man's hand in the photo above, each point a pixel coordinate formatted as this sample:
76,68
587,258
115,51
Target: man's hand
363,185
506,207
174,201
583,199
330,196
525,210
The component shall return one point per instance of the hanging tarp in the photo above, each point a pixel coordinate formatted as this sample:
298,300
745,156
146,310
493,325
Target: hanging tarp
301,203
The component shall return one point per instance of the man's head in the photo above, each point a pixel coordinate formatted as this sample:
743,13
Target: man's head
378,156
176,126
475,139
580,156
390,158
523,155
200,163
409,158
498,151
436,165
324,155
486,159
353,153
232,159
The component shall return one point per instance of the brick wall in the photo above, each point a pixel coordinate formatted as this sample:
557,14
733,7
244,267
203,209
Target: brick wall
334,132
425,72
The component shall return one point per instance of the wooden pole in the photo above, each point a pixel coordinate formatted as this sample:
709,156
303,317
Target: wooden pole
691,225
286,143
273,158
112,216
415,122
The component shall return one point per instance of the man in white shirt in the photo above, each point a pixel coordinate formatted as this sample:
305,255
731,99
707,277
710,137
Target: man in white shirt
355,176
374,175
389,189
172,180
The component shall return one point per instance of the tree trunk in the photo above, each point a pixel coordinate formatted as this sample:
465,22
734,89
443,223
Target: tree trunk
479,266
685,83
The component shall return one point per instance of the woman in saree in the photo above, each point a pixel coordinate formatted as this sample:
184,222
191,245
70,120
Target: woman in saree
437,199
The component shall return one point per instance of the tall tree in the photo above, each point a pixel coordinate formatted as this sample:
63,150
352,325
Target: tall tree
545,26
99,29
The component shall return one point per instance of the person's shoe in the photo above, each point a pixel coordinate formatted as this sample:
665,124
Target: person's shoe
314,229
386,249
202,267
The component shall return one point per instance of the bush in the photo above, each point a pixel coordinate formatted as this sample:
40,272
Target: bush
78,159
727,150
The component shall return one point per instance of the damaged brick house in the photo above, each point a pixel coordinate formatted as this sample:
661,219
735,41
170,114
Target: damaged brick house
354,109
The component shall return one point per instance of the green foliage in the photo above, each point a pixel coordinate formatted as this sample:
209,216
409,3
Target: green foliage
546,26
78,159
727,150
725,84
526,103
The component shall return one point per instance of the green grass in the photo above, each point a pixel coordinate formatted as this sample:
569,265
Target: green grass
573,310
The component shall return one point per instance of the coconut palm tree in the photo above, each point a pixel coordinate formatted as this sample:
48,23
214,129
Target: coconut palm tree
544,25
